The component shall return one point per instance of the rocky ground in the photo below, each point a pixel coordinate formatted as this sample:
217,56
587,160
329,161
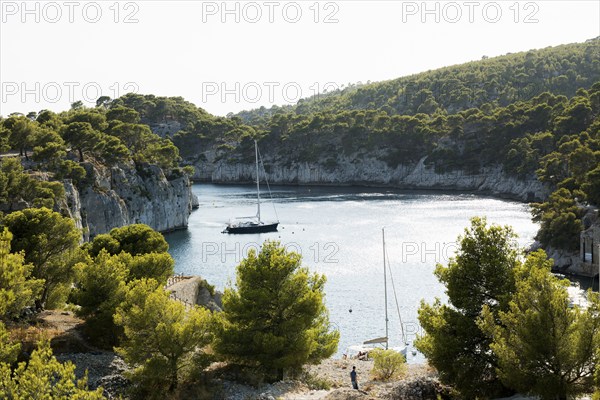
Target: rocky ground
337,374
106,369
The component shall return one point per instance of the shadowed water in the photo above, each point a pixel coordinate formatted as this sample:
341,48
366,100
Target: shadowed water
338,232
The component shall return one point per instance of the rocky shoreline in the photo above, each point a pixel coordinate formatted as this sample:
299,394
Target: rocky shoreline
125,194
372,172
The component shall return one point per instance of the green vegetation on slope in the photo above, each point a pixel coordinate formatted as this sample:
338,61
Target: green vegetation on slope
200,130
117,286
508,325
60,143
533,114
497,81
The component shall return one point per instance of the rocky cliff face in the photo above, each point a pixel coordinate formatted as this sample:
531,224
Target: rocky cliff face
123,195
372,171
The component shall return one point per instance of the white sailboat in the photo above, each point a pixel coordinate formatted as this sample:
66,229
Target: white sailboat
252,224
381,342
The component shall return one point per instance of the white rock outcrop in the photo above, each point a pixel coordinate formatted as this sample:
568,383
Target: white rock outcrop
370,171
123,195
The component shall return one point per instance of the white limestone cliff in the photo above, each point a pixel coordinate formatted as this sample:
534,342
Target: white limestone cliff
370,171
122,195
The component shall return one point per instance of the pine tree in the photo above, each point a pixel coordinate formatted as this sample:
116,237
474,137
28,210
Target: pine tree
480,274
17,289
47,239
161,336
544,346
100,290
275,318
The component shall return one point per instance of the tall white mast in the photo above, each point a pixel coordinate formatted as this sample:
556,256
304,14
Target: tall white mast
257,181
385,289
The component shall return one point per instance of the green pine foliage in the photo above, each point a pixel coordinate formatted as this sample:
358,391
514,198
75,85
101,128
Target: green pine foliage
162,339
275,317
49,242
9,350
139,239
560,220
135,239
100,289
17,186
121,257
17,289
44,377
86,134
498,81
509,325
481,275
544,346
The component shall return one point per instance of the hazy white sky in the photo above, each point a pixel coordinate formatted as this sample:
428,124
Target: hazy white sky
236,55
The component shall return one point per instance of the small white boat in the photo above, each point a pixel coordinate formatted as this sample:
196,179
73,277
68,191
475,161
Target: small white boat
357,351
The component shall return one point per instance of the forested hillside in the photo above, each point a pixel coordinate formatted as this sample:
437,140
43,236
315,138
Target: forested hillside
530,116
198,130
82,190
534,114
99,166
497,81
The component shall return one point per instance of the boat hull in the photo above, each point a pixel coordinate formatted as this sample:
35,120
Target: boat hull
262,228
353,351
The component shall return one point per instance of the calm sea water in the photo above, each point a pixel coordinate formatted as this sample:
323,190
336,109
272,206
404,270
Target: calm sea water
338,232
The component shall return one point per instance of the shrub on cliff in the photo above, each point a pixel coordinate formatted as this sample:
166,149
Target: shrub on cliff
18,186
44,377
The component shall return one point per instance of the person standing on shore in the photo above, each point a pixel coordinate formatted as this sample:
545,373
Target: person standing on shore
353,378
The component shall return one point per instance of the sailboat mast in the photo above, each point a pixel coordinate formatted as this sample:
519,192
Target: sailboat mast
257,181
385,289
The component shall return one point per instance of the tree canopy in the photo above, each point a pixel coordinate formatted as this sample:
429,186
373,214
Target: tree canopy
17,289
48,241
275,317
481,275
545,346
162,337
135,239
